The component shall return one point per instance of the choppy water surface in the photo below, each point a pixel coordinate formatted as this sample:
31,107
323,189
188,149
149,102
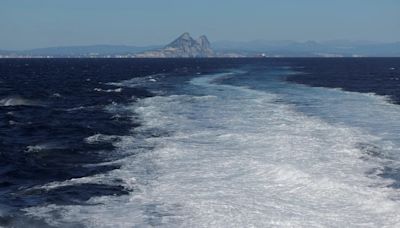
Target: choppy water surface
200,143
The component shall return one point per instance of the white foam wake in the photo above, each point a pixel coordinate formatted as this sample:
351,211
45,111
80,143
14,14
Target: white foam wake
237,158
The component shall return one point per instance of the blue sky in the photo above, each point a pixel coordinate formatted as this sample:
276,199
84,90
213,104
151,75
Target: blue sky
42,23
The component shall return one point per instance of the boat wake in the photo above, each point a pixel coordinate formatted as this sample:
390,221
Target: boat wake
225,155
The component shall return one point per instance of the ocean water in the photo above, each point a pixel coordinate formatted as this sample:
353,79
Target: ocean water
200,142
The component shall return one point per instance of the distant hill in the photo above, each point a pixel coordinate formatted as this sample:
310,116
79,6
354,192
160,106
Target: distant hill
182,47
81,51
338,48
186,46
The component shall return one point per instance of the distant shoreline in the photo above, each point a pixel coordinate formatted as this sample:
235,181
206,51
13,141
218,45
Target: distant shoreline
243,57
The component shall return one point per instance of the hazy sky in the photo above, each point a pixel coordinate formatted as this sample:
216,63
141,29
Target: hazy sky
43,23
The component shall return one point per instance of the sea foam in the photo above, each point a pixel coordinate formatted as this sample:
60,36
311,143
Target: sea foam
235,157
18,101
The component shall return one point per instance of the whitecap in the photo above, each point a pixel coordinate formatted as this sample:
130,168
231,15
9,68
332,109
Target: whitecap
95,179
138,81
76,108
100,138
18,101
118,90
56,95
44,146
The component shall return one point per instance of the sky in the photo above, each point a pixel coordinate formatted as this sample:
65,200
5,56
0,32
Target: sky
26,24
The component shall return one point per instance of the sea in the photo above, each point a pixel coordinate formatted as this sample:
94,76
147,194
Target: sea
213,142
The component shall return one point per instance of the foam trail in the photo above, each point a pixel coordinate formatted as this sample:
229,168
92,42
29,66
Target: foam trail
234,157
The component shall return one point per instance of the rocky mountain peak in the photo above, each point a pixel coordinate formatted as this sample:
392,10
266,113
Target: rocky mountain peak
203,41
185,36
183,46
183,41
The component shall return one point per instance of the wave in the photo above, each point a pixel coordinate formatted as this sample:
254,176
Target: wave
100,138
139,81
78,108
45,146
383,98
118,90
56,95
95,179
18,101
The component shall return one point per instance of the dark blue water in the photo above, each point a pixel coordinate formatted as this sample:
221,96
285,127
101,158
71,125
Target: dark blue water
366,75
50,107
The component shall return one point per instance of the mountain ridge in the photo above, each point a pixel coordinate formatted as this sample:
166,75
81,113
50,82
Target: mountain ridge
183,47
186,47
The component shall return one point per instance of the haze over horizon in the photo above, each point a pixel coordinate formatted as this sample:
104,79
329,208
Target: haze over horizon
26,24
